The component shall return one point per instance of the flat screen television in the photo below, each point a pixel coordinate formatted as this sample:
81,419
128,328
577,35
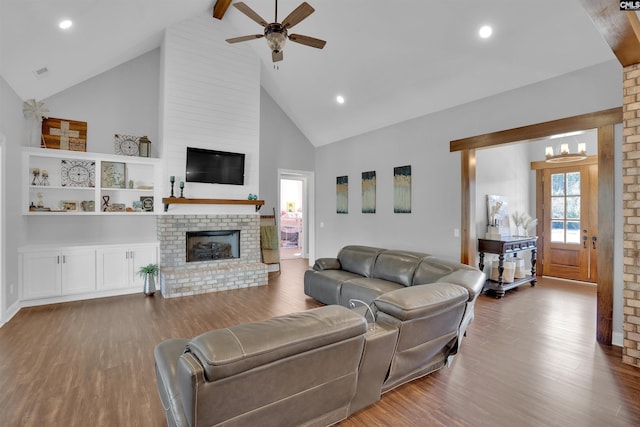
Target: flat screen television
214,167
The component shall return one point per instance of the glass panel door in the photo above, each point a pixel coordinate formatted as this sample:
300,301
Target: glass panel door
565,207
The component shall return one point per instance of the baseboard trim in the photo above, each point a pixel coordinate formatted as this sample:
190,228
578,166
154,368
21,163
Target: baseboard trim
12,310
80,297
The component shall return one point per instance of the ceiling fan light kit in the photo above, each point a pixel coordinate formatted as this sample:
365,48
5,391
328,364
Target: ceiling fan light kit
276,36
276,33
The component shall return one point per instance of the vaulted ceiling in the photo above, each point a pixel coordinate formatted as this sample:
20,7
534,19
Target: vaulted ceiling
392,61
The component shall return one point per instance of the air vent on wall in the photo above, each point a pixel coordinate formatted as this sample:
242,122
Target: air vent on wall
41,73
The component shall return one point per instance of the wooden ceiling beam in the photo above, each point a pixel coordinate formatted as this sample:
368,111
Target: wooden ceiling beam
620,29
220,8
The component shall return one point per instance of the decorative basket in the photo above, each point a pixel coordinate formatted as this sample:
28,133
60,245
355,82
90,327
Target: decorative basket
519,273
507,274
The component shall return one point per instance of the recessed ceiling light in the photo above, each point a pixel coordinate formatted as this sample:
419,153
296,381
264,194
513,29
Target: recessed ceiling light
340,99
65,24
485,32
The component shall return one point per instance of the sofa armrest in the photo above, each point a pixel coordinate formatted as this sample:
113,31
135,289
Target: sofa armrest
167,355
471,279
327,264
421,301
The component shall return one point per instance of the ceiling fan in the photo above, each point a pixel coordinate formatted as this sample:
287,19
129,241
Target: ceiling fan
277,33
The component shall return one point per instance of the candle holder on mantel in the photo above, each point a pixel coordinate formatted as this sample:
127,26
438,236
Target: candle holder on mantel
172,180
181,189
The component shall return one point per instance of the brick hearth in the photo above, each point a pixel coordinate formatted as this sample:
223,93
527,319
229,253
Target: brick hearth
179,278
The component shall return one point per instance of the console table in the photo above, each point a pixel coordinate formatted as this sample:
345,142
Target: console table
507,245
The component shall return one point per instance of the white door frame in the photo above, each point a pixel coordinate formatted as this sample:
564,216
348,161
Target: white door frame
308,211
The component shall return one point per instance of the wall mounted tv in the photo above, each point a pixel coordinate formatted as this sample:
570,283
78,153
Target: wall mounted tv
214,167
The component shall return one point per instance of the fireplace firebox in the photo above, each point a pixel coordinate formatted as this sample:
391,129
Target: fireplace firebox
213,245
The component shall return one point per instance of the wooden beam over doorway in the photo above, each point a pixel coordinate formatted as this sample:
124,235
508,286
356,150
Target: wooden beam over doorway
604,121
620,29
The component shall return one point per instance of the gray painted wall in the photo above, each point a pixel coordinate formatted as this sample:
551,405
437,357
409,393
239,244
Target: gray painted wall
12,126
122,100
424,144
282,146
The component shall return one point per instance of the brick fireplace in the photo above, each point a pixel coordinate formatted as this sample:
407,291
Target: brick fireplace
181,278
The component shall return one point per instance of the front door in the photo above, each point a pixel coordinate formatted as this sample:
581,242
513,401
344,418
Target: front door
571,222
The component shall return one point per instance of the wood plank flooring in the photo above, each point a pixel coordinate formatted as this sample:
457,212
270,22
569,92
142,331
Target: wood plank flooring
529,359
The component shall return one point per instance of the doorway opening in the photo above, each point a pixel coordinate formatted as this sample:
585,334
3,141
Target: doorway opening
569,224
291,213
604,121
295,216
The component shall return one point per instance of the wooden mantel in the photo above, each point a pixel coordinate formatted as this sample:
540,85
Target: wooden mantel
185,201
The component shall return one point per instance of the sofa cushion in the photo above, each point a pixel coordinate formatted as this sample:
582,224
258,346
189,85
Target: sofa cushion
358,259
431,269
325,285
365,289
397,266
226,352
421,301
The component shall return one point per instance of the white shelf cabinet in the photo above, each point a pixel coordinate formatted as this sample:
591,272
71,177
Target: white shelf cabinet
57,272
62,196
65,273
118,266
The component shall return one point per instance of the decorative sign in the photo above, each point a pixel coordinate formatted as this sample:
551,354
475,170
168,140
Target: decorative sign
78,173
127,145
147,203
113,175
62,134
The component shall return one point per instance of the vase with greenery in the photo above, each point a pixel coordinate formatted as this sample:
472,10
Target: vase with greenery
148,273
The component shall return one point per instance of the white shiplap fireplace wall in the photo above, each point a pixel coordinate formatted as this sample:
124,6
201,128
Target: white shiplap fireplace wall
209,98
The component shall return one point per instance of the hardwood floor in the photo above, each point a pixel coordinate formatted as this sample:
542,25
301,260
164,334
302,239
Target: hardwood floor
529,359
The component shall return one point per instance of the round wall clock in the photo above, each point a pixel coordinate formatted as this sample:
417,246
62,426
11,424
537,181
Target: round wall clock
77,173
127,145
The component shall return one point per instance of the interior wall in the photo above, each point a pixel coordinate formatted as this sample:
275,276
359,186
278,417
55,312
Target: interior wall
424,144
502,171
122,100
12,126
282,146
210,100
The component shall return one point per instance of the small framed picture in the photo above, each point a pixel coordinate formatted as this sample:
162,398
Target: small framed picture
113,175
69,205
147,203
116,207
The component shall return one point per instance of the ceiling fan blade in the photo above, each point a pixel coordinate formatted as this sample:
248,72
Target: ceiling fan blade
244,38
250,13
307,41
298,14
277,56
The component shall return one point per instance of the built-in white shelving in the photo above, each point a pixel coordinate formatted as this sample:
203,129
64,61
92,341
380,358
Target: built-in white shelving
79,183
